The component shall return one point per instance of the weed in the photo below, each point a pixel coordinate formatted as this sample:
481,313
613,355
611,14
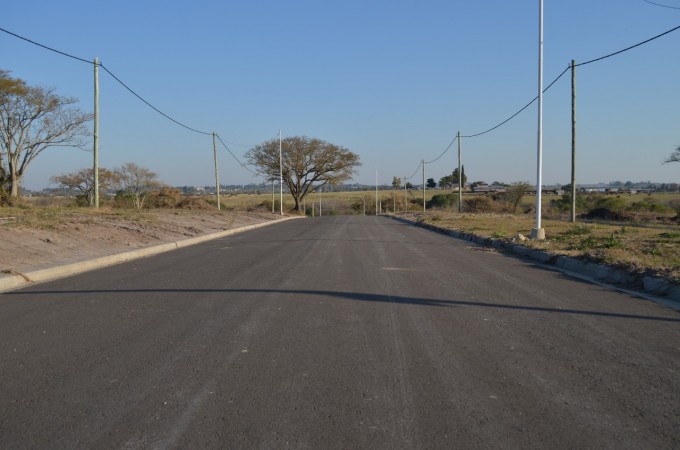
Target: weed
499,234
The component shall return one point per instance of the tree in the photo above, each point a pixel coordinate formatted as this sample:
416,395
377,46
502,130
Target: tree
136,182
396,183
674,157
33,119
446,182
306,162
431,184
515,192
454,175
83,181
409,185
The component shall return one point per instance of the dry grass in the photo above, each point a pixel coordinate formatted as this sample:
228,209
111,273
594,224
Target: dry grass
640,249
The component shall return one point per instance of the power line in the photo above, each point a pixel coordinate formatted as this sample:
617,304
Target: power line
234,156
150,105
414,172
523,108
110,73
659,4
46,47
443,153
629,48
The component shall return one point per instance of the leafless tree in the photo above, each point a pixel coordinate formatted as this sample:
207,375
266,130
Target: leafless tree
33,119
136,182
83,181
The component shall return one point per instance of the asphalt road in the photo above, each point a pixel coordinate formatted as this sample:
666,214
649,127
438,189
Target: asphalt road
337,332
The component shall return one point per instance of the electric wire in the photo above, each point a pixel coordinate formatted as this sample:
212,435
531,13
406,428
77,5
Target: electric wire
629,48
242,164
414,172
443,153
110,73
46,47
663,6
523,108
150,105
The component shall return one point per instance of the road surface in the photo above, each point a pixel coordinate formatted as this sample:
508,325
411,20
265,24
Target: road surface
336,332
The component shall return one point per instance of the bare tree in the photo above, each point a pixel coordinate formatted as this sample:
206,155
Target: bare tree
33,119
307,162
516,192
83,181
674,157
136,182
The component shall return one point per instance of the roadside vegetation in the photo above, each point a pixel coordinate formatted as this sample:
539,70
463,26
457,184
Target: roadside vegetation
639,233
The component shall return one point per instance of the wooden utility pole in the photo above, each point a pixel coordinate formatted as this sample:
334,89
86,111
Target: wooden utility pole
422,162
217,175
95,134
405,198
460,179
573,141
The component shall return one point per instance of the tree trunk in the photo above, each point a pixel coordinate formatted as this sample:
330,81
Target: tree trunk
14,178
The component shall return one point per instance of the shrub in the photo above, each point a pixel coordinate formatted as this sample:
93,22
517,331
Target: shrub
479,204
442,201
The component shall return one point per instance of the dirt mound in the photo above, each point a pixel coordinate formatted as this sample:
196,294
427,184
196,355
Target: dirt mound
195,203
606,214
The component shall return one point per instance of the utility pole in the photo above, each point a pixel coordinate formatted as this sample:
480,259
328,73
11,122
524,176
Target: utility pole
460,179
280,173
422,162
538,233
95,136
573,141
217,175
273,198
376,192
405,198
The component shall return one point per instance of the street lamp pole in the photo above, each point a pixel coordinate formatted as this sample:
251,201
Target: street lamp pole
538,232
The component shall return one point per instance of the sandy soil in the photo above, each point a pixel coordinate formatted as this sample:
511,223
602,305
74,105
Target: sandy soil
27,243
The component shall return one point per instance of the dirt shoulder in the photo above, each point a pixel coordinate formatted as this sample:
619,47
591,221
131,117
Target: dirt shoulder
32,239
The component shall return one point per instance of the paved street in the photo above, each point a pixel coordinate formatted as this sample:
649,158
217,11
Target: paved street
336,332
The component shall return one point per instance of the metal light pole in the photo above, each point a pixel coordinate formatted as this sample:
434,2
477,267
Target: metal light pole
538,232
280,173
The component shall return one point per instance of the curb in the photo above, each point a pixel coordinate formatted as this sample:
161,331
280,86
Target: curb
20,280
599,272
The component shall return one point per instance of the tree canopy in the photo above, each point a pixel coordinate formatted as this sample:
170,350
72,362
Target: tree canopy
674,157
308,163
33,119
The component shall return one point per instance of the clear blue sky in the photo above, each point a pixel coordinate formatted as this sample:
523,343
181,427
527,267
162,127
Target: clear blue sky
391,80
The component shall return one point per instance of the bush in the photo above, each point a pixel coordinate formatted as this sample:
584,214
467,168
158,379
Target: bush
442,201
479,205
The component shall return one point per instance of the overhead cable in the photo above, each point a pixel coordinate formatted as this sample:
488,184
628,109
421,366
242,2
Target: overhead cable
234,156
518,112
628,48
46,47
444,152
150,105
414,172
110,73
663,6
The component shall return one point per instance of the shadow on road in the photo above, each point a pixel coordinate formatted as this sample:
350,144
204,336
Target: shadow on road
356,296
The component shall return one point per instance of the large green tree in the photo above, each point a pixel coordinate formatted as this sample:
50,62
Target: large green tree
33,119
308,163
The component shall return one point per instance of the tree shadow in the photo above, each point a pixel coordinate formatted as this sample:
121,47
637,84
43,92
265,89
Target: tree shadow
356,296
